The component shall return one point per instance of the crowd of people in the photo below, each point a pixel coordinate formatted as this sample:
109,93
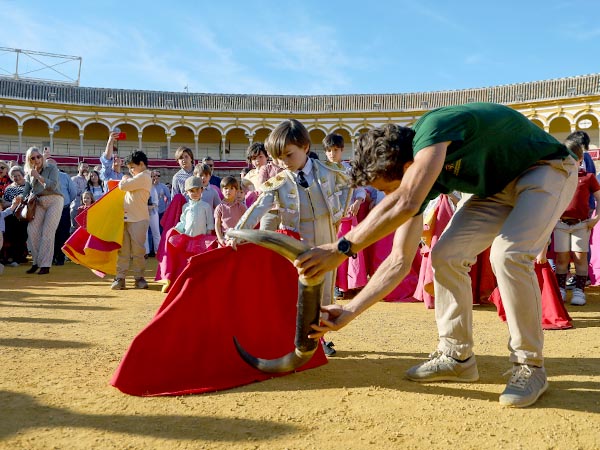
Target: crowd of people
511,167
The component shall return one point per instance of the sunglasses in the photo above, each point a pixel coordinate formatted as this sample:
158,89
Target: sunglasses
3,168
155,176
33,158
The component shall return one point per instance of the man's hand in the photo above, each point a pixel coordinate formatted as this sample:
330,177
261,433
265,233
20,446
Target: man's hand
319,260
334,318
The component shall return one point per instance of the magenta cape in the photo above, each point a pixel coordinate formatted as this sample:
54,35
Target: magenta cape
188,346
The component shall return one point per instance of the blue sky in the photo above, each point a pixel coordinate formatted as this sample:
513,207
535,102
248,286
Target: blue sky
307,47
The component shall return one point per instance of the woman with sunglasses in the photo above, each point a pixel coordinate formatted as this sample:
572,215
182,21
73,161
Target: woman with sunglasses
42,181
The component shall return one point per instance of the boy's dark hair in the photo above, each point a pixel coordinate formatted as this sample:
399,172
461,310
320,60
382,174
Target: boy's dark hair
231,182
201,169
289,131
333,140
578,142
255,150
381,153
245,170
136,157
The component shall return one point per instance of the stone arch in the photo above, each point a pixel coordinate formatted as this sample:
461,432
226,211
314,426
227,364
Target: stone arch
36,117
559,114
97,120
236,142
593,131
538,123
209,142
184,135
260,134
317,134
560,127
9,133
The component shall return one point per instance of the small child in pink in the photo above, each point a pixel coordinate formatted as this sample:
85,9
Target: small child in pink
230,210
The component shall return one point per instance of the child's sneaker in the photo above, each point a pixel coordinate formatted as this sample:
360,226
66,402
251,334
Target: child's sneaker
563,294
141,283
578,298
118,284
441,367
526,385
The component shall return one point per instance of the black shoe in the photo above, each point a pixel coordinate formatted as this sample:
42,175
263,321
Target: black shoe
338,293
151,255
328,348
32,269
58,262
44,271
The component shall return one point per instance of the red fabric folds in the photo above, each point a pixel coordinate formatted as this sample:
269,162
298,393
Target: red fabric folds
188,346
554,313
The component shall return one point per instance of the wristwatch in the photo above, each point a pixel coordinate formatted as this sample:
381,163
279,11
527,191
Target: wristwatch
345,246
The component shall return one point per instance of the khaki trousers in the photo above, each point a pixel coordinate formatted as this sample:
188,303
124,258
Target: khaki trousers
134,237
517,223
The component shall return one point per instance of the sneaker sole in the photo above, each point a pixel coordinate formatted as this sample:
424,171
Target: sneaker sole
444,378
524,405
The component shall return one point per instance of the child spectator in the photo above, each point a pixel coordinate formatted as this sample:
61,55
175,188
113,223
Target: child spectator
572,231
229,212
87,199
137,192
353,274
311,196
185,158
210,193
196,222
80,181
257,156
5,213
214,180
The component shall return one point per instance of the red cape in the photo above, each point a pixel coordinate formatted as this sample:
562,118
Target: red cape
554,313
188,346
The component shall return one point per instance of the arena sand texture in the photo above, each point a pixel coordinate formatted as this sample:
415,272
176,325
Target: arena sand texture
63,335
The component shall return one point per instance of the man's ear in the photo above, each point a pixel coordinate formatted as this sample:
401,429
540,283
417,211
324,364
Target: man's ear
406,165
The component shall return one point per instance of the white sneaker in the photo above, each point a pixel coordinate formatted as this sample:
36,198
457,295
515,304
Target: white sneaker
441,367
563,294
525,386
578,298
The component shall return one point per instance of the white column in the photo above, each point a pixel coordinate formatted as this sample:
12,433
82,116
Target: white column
250,137
196,145
51,132
140,141
223,143
168,136
81,142
20,131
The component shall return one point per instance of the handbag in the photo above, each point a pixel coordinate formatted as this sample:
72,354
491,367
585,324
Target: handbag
25,212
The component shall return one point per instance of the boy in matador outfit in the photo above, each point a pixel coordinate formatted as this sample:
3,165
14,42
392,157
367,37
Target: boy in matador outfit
311,196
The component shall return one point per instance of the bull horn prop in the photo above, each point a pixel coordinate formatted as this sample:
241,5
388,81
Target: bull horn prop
310,291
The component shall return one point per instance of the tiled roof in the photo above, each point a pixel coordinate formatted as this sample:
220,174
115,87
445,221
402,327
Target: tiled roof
511,93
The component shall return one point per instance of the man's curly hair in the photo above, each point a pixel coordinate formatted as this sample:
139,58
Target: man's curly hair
381,153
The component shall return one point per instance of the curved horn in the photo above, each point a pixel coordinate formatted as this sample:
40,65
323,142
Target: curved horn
310,291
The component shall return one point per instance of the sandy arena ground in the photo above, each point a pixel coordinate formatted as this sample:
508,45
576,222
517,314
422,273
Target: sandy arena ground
63,335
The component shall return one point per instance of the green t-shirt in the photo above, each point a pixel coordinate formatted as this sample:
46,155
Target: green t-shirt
490,146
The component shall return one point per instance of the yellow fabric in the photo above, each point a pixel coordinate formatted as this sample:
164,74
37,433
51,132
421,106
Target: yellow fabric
101,261
105,217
